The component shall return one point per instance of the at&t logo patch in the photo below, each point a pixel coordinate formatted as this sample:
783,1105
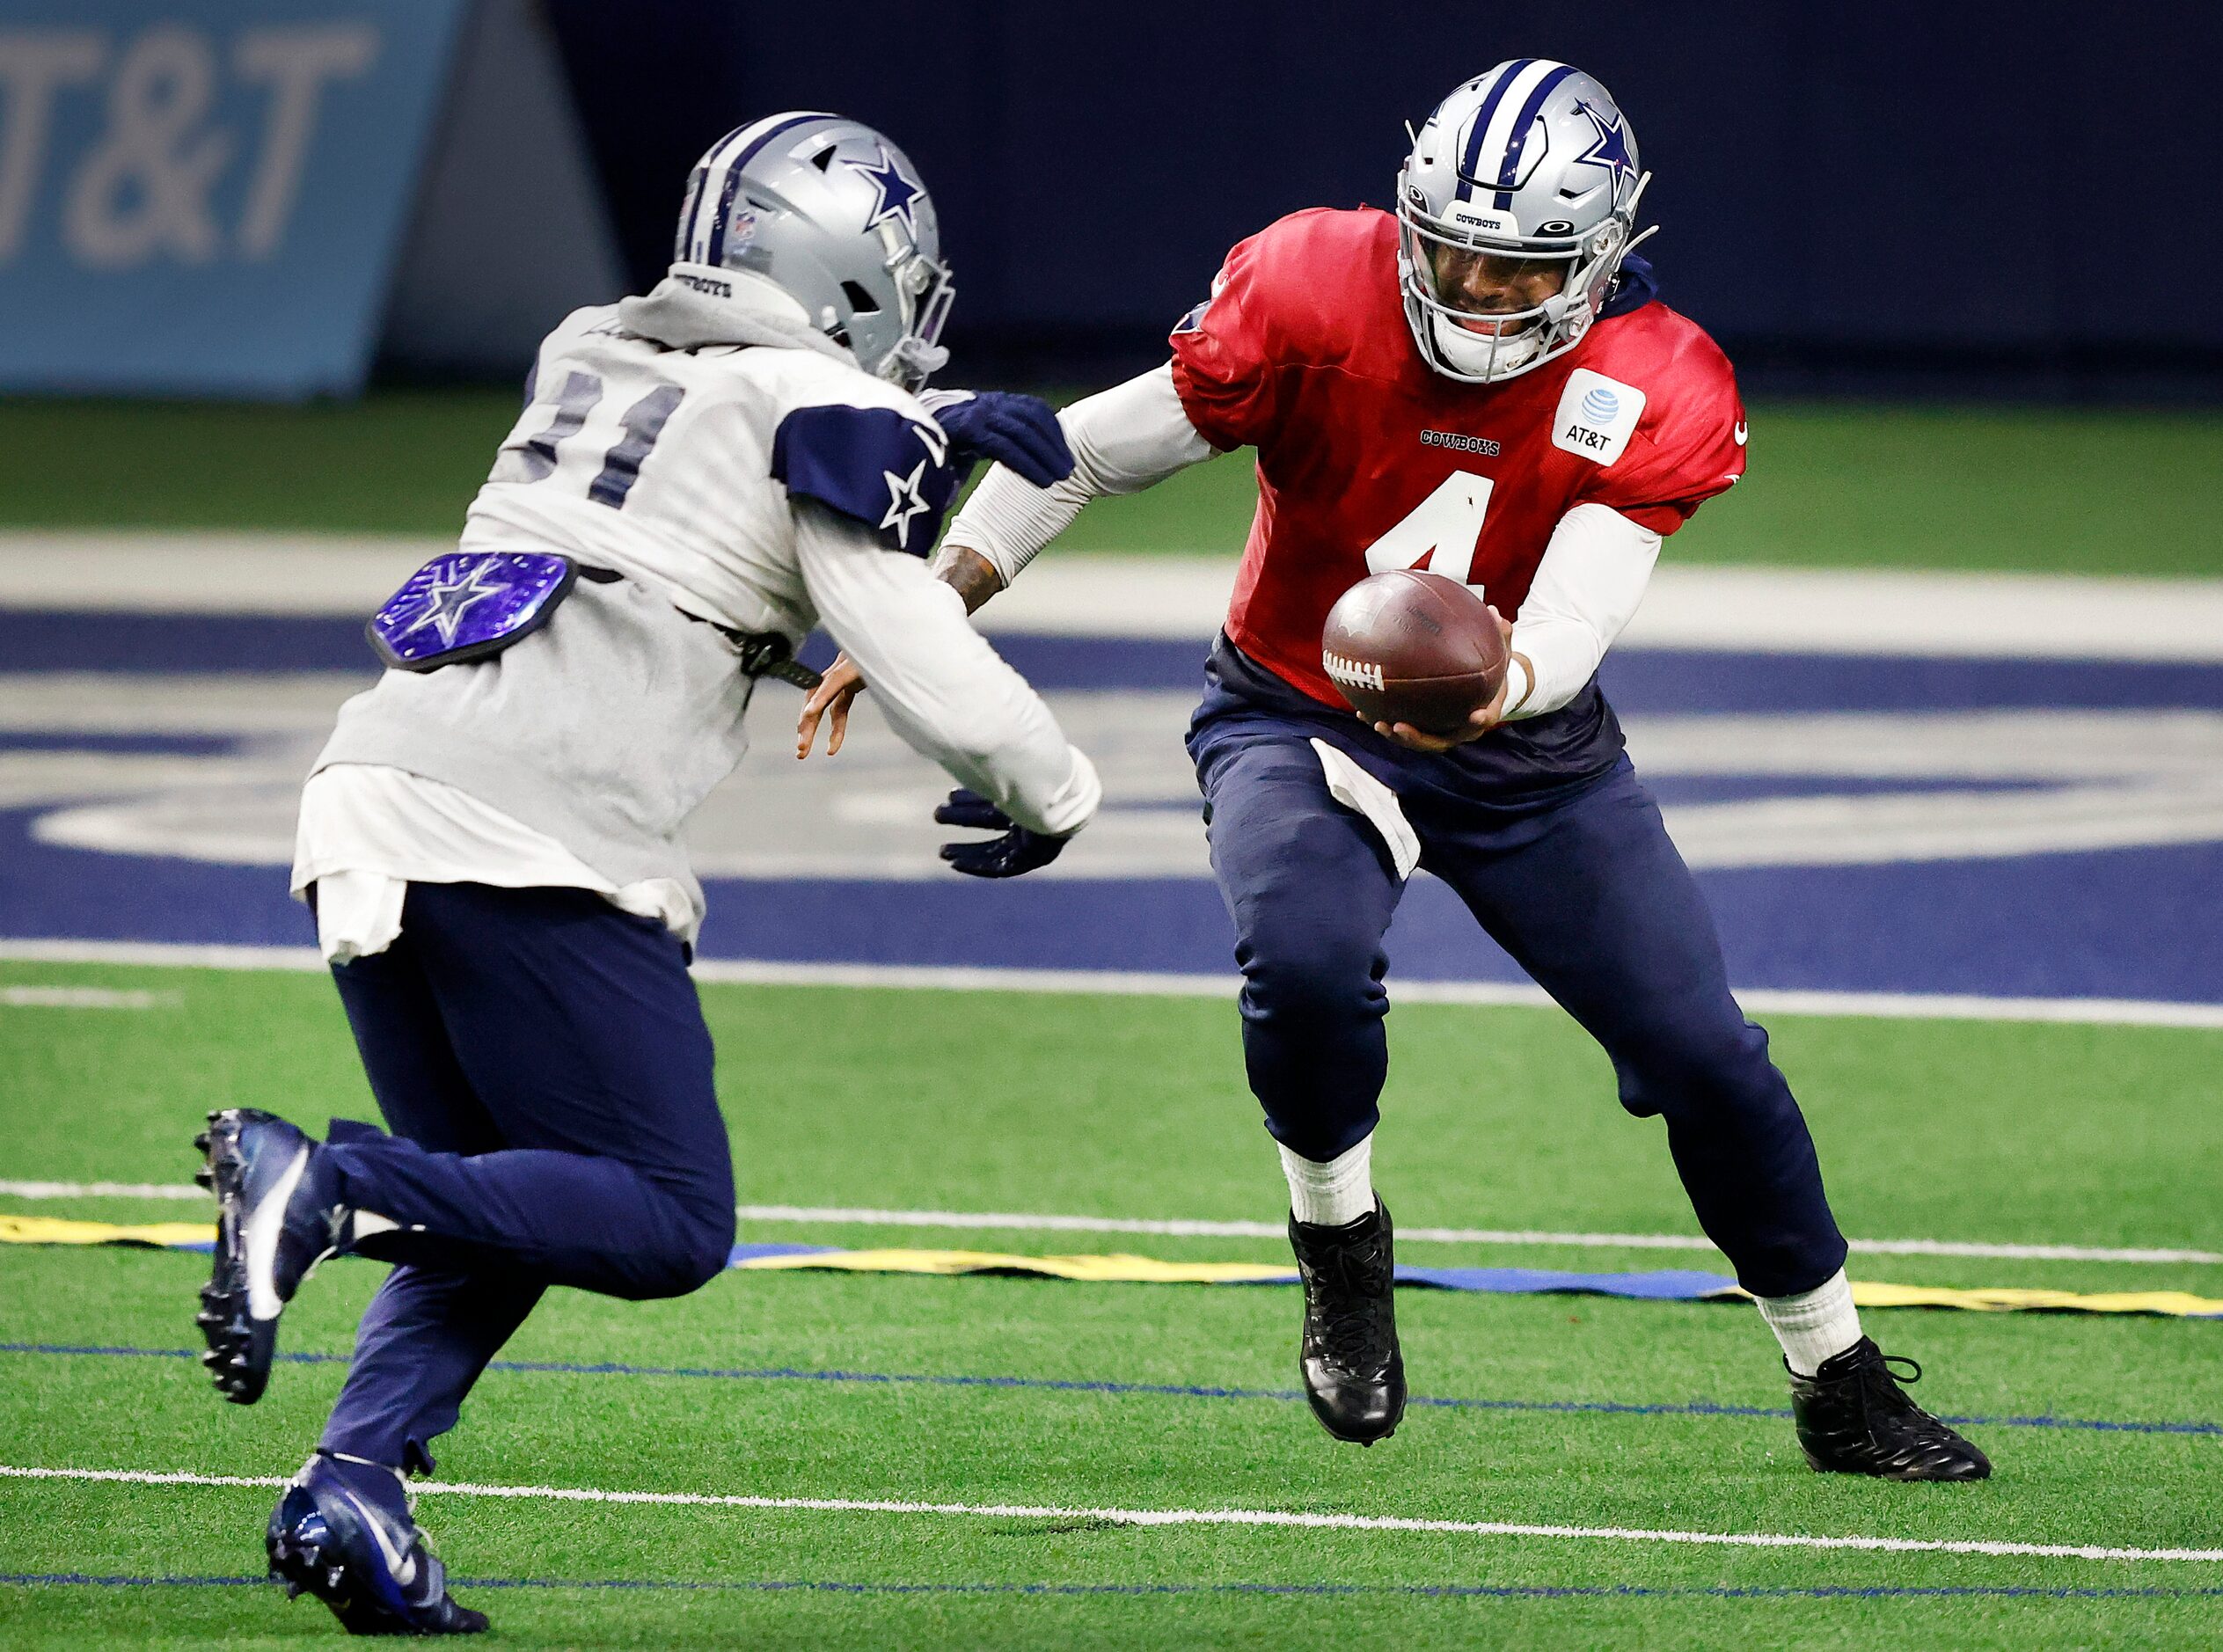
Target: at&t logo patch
1596,415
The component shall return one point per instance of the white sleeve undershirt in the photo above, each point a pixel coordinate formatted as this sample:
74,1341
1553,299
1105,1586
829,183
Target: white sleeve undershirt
949,696
1586,589
1123,440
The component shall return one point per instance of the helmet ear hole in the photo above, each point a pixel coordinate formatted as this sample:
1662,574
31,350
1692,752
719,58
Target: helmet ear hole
859,300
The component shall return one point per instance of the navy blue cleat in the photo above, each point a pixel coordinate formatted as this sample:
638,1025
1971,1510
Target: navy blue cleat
277,1217
343,1532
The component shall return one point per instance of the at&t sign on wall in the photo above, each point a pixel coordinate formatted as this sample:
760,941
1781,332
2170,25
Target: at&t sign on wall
206,195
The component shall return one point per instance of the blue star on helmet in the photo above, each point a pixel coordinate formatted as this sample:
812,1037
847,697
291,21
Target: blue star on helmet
905,500
1611,151
447,600
899,190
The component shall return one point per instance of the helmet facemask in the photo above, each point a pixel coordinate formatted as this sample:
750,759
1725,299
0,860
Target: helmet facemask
1484,343
925,290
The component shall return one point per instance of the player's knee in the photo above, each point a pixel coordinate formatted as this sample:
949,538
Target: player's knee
699,1243
1304,966
1692,1065
710,1247
1316,993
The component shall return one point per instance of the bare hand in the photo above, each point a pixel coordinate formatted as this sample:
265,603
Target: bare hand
836,692
1479,723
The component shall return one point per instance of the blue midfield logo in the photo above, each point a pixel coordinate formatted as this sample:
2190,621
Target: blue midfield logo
1601,405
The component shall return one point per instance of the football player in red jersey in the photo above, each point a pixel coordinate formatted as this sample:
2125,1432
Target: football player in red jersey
1484,384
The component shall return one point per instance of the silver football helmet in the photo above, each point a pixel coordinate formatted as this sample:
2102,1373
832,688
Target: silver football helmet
1525,172
836,215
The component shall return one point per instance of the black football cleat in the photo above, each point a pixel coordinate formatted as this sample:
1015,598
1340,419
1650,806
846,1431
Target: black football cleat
343,1532
277,1217
1854,1418
1354,1374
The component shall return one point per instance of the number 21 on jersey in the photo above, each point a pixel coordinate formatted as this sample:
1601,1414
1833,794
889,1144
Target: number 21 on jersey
532,458
1448,523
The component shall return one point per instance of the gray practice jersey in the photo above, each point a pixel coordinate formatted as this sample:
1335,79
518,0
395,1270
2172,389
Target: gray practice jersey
736,467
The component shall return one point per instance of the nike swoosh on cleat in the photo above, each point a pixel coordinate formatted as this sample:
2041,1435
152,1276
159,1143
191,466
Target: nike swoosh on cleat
401,1568
264,1227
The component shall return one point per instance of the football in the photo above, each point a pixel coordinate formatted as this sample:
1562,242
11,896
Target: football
1409,646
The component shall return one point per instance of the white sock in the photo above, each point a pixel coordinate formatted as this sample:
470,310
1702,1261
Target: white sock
1332,1194
1815,1324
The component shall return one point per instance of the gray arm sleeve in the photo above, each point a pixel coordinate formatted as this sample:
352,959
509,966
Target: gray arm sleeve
949,695
1123,440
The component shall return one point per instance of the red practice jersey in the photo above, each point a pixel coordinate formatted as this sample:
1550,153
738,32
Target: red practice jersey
1304,354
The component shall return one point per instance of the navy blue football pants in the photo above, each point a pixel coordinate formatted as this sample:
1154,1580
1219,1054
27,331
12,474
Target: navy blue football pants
1589,896
541,1059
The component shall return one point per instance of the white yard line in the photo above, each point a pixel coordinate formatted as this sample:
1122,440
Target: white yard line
1160,1517
160,954
1145,984
180,1192
23,997
1111,594
1176,1227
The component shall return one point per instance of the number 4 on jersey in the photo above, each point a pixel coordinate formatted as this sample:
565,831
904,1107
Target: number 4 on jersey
1444,529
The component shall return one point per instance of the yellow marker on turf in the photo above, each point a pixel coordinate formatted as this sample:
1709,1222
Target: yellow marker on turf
47,1230
1115,1268
1118,1268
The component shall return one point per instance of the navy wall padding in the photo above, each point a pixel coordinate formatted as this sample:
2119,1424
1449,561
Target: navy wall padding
2004,194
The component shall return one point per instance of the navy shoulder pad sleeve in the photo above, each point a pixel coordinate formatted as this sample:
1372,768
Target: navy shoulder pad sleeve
887,471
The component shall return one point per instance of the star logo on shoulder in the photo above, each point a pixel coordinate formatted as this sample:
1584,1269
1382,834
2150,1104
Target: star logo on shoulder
899,192
447,600
905,500
1611,151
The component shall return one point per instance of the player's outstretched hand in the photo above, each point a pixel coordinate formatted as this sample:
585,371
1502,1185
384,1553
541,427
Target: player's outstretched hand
1019,432
1482,720
1018,850
836,693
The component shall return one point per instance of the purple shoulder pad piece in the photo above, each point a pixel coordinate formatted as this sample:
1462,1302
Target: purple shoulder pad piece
468,604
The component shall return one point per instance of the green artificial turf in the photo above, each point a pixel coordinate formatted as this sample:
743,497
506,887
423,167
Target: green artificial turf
397,462
1831,485
1135,1106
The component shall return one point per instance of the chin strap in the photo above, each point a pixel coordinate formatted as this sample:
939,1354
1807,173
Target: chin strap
913,361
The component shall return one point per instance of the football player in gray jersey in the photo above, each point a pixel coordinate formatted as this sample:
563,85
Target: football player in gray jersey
490,839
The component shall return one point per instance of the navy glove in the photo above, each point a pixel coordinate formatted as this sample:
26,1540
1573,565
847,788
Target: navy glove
1016,852
1019,432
